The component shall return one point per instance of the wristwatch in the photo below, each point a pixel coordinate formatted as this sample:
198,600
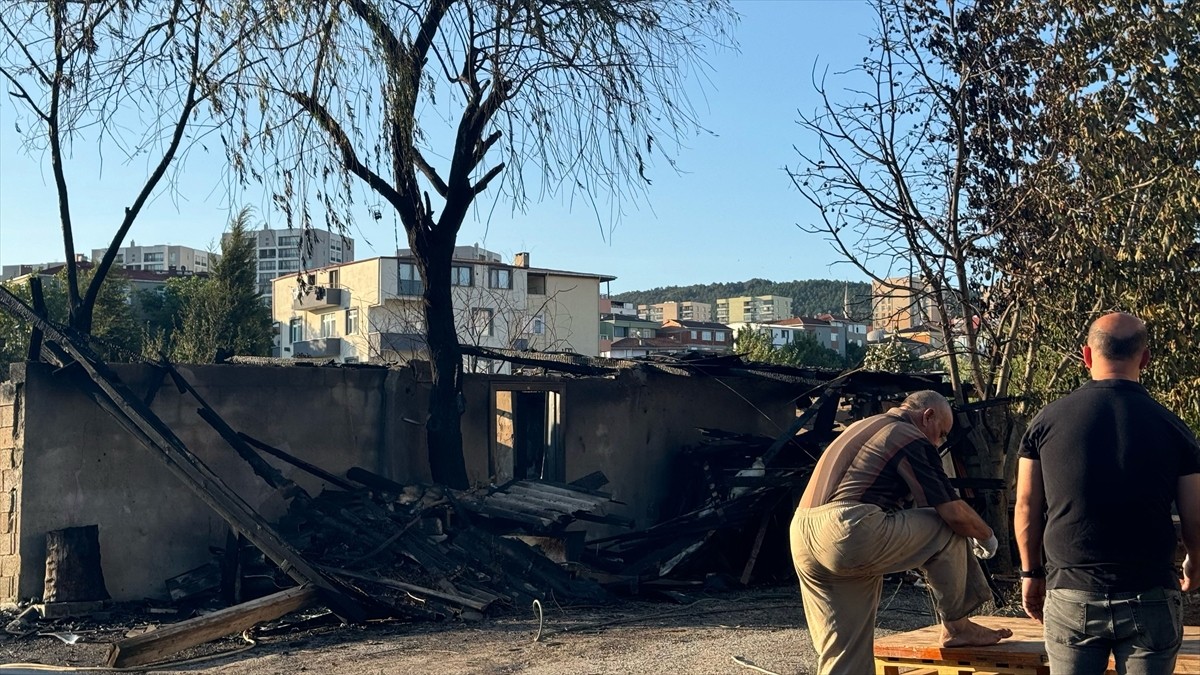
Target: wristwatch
1035,573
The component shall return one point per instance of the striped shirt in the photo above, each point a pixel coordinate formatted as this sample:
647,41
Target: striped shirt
883,460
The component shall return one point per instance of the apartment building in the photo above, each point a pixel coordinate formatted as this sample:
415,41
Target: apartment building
616,327
901,303
285,251
162,258
676,311
370,310
698,335
786,331
753,309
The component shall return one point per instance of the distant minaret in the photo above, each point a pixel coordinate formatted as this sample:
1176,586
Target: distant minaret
846,302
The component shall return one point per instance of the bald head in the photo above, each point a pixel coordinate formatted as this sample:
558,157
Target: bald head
1116,347
1117,337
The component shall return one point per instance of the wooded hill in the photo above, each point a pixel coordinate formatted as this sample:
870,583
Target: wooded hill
809,297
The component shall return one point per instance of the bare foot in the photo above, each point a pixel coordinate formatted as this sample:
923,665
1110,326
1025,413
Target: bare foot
966,633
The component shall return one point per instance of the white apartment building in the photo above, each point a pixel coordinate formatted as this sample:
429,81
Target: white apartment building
370,310
285,251
162,258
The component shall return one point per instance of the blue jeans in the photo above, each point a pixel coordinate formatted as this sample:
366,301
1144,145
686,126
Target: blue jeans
1142,631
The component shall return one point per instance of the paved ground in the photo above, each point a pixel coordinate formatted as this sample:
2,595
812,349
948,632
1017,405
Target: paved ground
764,626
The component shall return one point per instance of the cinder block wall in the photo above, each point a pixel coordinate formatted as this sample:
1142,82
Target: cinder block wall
10,482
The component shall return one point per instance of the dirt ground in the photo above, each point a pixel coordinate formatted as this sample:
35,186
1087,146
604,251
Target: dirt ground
764,626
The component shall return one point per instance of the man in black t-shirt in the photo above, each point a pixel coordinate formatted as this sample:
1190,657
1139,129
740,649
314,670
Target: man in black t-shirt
1098,473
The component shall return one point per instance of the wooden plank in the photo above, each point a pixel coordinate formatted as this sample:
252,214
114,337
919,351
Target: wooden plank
413,588
62,610
758,542
162,643
1024,652
299,463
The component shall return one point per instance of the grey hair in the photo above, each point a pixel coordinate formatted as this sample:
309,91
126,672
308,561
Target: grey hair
923,400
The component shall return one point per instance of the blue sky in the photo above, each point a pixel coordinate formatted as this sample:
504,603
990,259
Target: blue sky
730,214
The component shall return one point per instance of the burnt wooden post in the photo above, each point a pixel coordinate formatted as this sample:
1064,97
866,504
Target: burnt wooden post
73,571
39,307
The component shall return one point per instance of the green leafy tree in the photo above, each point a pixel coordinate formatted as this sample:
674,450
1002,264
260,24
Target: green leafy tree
114,321
855,354
224,314
804,350
889,356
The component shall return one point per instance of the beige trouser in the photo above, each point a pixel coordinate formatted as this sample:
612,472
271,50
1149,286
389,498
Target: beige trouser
841,552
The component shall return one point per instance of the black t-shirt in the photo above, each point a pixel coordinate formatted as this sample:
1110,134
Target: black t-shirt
1111,458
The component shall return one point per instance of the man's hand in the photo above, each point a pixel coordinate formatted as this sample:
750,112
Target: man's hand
1191,575
985,549
1033,596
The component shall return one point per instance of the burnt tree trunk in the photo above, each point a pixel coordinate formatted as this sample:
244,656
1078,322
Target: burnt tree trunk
444,428
73,572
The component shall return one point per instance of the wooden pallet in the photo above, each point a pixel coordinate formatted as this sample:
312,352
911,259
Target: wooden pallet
918,652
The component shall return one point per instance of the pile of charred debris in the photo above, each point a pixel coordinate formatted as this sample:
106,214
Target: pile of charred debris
368,547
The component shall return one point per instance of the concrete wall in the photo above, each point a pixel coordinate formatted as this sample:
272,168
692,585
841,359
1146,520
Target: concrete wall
64,462
80,467
631,427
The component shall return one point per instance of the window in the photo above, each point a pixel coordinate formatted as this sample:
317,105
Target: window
266,253
706,335
720,336
293,240
351,321
537,284
152,257
693,333
265,278
289,265
329,325
499,278
289,253
120,258
481,318
265,290
410,279
333,278
266,266
620,331
295,331
539,325
460,275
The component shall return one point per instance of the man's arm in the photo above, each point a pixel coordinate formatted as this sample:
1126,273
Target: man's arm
1187,502
1029,525
963,520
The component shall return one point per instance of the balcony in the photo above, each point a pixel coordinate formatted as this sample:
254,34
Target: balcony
316,298
318,347
383,345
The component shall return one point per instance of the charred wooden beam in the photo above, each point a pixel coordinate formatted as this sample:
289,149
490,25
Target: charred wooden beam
159,644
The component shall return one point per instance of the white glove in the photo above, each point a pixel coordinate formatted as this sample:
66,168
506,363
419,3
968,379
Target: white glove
985,549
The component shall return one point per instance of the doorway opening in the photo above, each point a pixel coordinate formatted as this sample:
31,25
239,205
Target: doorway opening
527,442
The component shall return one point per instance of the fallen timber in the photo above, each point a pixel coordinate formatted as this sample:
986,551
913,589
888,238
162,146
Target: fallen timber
386,549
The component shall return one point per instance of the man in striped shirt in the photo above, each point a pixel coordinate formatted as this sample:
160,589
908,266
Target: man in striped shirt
879,502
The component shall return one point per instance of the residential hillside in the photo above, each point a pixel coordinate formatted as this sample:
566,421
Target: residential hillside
809,297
